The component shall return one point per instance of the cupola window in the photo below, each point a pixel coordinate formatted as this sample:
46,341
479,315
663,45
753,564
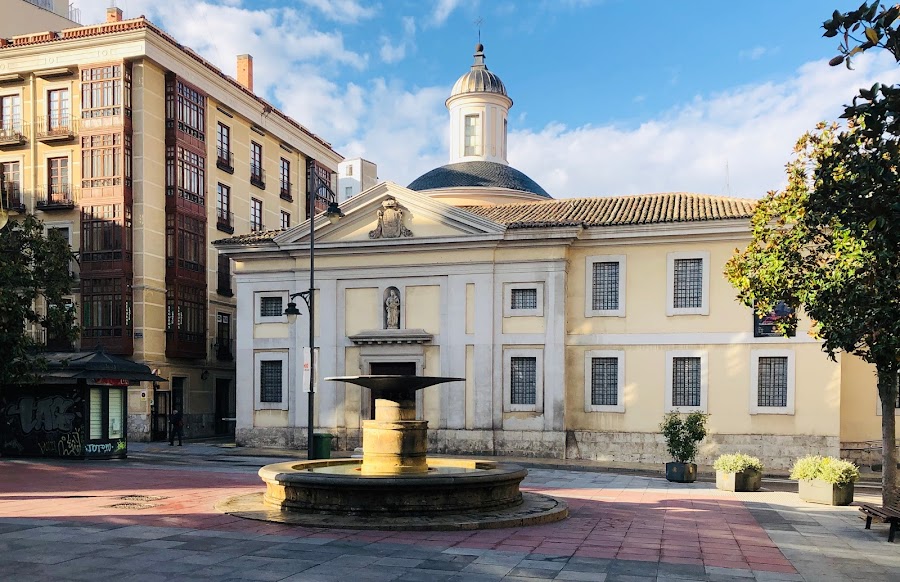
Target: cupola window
473,136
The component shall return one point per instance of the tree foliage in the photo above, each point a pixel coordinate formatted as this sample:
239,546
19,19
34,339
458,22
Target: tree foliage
35,277
829,243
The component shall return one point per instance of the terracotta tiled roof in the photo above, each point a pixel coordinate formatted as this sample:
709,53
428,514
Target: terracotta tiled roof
617,210
139,23
263,236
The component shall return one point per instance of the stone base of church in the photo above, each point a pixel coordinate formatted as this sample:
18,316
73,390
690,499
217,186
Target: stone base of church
775,451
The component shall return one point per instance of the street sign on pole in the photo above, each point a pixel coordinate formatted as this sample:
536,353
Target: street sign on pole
307,370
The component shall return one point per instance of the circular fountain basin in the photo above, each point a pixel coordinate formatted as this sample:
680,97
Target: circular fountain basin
339,486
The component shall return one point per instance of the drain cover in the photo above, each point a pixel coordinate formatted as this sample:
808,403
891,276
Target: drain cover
131,505
141,497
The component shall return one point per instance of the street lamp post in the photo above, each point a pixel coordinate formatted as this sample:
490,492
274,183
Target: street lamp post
333,213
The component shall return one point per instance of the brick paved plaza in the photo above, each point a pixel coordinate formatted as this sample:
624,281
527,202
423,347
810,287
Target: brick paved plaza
75,520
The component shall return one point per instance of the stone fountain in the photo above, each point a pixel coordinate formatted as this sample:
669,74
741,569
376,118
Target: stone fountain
395,485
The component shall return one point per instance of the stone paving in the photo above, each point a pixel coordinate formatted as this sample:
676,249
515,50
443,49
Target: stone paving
146,520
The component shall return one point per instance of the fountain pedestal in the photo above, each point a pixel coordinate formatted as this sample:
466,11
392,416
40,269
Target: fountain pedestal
395,443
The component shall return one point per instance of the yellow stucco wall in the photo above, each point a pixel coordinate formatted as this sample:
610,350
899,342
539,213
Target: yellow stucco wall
361,310
423,308
860,406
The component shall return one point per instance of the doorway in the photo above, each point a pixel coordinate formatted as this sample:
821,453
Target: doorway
159,419
224,408
388,369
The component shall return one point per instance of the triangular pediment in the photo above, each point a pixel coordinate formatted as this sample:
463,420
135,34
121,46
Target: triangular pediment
389,212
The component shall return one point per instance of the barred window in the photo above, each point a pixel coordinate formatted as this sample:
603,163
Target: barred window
686,382
523,380
605,291
270,381
523,298
772,381
604,381
688,283
270,307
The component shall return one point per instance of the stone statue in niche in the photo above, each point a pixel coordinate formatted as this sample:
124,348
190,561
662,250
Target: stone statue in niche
391,308
390,221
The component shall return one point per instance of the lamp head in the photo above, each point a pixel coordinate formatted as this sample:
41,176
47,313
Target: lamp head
333,213
292,312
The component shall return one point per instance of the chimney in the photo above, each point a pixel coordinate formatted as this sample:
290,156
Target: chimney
113,14
245,71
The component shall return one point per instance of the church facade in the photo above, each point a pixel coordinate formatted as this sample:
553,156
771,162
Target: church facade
576,323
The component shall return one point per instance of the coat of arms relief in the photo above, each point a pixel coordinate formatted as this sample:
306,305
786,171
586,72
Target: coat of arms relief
390,220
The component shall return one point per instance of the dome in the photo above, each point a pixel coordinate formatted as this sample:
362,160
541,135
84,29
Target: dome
477,174
479,79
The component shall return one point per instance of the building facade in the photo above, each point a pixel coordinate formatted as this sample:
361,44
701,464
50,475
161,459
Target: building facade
28,16
141,153
354,176
576,323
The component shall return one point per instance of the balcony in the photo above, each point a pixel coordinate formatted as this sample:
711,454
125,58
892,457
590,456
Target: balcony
258,177
14,134
286,192
12,197
59,197
223,348
225,221
225,160
183,344
50,129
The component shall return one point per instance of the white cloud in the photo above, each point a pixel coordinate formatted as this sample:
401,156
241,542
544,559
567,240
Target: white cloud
442,11
742,138
391,52
346,11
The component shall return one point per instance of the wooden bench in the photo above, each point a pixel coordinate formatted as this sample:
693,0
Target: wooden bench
889,515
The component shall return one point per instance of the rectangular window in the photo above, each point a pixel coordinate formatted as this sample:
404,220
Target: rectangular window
604,381
11,183
285,219
686,382
223,204
223,336
58,109
101,160
523,380
105,232
523,298
688,283
687,279
190,175
191,111
223,144
101,91
285,178
270,381
10,114
115,412
473,135
256,164
772,382
270,307
224,276
349,170
186,313
255,215
348,192
95,426
185,242
58,180
105,308
605,292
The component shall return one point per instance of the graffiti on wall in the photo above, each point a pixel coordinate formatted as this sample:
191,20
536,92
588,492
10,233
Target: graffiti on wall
43,422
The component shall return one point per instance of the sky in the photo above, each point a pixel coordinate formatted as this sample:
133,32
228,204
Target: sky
610,97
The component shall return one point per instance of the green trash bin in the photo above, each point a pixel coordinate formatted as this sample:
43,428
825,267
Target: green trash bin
322,445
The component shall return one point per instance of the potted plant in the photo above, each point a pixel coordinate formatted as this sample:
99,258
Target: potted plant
738,472
825,480
682,438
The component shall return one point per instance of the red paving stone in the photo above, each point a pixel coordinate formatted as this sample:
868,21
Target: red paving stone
678,526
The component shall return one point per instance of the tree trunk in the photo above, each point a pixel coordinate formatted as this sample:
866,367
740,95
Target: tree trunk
887,392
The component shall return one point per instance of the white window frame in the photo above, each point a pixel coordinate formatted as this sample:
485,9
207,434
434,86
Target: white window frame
755,408
589,406
704,380
508,311
258,358
257,305
508,355
670,283
589,310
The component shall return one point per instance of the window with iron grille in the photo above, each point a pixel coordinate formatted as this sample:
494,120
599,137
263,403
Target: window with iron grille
772,381
523,299
523,380
688,289
285,176
686,382
10,113
223,143
270,381
256,160
223,203
605,290
270,307
604,381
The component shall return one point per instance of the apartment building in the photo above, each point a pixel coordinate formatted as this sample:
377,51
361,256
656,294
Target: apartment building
26,16
141,152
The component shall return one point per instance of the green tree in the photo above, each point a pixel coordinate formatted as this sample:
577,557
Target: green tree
32,266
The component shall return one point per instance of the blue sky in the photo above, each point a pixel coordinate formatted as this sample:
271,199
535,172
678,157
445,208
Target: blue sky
610,96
